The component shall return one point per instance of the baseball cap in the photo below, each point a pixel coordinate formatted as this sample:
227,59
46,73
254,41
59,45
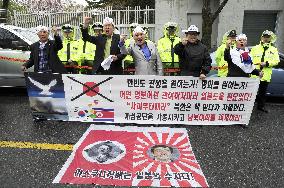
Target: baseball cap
171,25
192,28
267,33
232,33
133,25
97,25
67,28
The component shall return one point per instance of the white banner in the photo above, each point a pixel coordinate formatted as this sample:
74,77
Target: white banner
159,99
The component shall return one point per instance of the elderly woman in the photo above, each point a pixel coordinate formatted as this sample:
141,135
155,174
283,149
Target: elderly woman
145,54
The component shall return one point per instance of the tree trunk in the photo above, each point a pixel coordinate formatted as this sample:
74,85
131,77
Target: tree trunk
206,23
206,35
208,19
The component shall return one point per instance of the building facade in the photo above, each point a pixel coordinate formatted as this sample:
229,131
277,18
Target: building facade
251,17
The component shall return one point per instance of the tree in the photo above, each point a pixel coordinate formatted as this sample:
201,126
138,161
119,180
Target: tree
120,4
208,19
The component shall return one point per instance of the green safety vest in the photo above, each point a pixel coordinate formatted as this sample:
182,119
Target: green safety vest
271,56
164,47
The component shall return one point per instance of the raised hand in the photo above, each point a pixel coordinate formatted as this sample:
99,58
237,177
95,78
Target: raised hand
228,43
184,41
123,38
87,21
54,30
202,76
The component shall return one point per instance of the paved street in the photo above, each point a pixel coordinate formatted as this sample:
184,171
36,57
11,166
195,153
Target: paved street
230,156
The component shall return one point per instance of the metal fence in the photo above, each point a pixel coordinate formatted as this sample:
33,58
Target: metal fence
122,18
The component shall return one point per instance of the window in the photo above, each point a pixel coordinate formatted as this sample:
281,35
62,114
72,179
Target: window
9,40
255,22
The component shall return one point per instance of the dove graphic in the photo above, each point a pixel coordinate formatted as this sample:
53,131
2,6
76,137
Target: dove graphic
45,88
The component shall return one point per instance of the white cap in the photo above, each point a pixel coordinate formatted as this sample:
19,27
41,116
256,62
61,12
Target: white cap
171,24
41,28
139,29
107,21
134,25
241,36
192,28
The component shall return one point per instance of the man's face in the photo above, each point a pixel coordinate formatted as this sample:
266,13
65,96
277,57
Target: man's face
171,31
192,37
108,29
103,149
162,154
266,39
101,158
43,35
68,35
139,38
233,39
241,43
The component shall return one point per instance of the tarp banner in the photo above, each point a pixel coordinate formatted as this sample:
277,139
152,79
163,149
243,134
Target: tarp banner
142,99
133,156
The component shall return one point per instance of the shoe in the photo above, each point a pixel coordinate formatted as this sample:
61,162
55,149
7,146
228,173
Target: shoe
262,109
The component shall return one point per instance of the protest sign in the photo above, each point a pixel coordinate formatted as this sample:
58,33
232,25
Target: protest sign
133,156
143,100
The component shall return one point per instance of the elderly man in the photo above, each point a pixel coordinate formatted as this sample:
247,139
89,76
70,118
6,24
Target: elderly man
162,153
194,57
106,46
43,54
145,54
265,57
128,60
239,59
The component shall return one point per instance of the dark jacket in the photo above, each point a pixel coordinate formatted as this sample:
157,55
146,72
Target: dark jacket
233,69
100,42
52,47
194,59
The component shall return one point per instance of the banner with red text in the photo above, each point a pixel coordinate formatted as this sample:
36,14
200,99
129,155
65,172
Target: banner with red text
133,156
142,99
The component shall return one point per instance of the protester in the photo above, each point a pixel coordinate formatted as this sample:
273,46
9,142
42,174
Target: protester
166,45
265,57
222,65
239,59
128,60
43,54
69,54
146,63
194,57
106,47
162,153
87,49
